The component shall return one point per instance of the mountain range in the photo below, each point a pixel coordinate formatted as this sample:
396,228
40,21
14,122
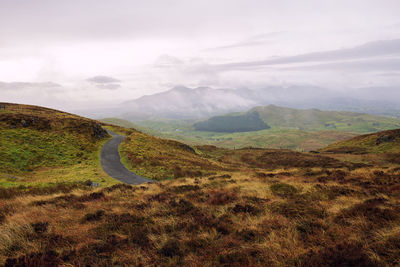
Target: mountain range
185,103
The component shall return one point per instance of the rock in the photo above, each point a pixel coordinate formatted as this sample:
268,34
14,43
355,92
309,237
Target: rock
95,185
98,132
92,184
187,148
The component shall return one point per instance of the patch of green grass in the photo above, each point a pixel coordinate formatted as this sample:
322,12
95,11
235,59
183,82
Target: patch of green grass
24,150
381,142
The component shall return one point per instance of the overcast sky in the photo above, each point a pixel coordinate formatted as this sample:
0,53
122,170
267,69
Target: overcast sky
97,52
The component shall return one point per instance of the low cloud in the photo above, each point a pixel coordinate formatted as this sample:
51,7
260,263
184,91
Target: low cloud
383,48
27,85
103,79
110,86
381,64
105,82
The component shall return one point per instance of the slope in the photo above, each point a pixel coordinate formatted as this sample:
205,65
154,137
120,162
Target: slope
40,146
314,119
380,142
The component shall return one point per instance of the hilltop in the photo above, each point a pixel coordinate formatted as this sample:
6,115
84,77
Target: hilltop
43,146
381,142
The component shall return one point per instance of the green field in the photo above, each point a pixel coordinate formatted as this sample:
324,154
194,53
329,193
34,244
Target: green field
301,130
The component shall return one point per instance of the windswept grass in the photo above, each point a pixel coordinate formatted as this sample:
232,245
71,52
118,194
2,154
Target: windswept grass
237,220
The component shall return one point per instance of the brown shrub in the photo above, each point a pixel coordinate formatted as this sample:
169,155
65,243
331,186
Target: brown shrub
344,254
250,209
40,227
184,188
96,216
388,250
12,192
298,208
221,197
283,190
376,211
48,258
171,248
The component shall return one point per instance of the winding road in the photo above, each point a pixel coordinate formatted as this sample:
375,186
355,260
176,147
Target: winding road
111,162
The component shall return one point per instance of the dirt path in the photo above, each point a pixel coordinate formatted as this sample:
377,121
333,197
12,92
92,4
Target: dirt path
111,162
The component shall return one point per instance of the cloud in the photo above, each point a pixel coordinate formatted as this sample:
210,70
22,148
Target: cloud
103,79
27,85
381,64
258,40
373,49
105,82
110,86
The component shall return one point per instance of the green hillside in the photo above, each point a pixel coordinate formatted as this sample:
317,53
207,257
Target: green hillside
381,142
314,119
295,129
40,145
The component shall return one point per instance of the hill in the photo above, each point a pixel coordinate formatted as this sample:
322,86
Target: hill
41,146
213,206
296,129
314,119
162,159
181,102
247,122
307,120
381,142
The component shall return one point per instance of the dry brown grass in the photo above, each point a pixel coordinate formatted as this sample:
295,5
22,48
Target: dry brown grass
241,219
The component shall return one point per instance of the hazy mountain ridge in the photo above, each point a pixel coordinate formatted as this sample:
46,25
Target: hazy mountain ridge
185,103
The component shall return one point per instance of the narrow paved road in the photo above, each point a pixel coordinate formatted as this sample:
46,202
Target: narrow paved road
111,162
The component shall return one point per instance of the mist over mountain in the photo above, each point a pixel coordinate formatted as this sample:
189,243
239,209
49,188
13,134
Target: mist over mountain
182,102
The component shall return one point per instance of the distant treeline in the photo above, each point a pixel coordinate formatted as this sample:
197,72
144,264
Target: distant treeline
247,122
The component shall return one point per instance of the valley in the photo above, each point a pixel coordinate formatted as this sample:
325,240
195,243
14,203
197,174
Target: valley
281,128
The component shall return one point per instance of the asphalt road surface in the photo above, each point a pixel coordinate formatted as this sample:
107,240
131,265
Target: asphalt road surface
111,162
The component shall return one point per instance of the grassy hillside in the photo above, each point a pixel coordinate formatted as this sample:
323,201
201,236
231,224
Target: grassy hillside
41,146
272,138
301,130
220,207
314,119
163,159
381,142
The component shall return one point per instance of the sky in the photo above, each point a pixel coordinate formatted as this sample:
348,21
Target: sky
93,53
